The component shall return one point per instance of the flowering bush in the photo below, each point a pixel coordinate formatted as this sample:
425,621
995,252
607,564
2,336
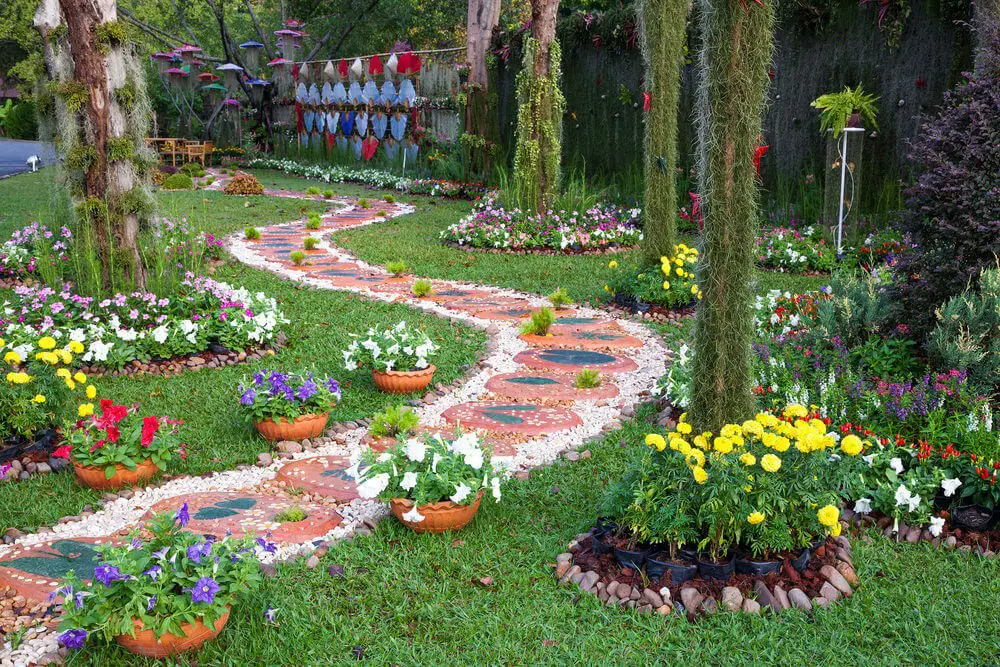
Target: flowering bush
21,254
176,577
788,249
671,285
490,225
401,348
141,325
429,469
116,436
39,388
273,395
443,188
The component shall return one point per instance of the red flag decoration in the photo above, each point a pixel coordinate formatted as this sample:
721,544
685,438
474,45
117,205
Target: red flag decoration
343,68
758,153
299,119
647,102
375,66
368,147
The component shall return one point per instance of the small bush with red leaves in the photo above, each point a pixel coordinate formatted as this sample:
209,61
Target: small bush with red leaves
244,184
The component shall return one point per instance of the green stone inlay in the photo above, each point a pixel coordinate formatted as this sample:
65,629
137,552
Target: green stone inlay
532,381
590,335
576,320
339,473
576,357
81,557
453,292
224,508
503,417
517,312
339,272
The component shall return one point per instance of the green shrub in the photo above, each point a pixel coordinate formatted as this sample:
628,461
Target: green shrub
22,122
193,169
328,194
178,181
422,288
389,199
293,514
314,221
363,203
859,309
312,190
541,322
395,422
560,298
967,336
588,378
397,268
310,242
252,233
298,257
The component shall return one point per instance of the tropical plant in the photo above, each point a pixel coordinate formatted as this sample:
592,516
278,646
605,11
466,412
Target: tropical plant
836,109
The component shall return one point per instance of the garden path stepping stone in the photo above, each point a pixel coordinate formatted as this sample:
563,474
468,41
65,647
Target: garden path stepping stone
37,570
511,418
574,323
505,313
449,295
325,475
541,386
584,340
246,513
563,359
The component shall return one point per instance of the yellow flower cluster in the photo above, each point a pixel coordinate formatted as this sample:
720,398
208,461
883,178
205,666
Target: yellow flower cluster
680,267
51,355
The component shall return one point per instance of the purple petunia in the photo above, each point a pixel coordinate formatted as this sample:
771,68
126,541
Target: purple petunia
73,639
269,547
198,551
150,604
161,554
308,389
248,396
204,590
269,614
183,516
154,572
106,573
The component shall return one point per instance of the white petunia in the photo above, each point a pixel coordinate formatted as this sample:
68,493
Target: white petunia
949,486
937,524
383,457
906,497
496,488
415,450
371,487
160,334
413,516
409,480
896,464
461,493
868,458
863,505
474,459
434,462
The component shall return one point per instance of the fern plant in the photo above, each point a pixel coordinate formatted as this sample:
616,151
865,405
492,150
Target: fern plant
836,109
540,323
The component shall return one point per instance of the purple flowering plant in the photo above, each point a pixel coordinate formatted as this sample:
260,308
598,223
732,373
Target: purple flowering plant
165,576
271,394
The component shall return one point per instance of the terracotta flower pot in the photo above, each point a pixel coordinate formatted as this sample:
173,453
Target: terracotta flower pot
438,517
195,634
304,426
95,478
403,382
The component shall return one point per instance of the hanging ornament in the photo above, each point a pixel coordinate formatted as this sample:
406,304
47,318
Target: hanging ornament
357,69
390,66
368,147
330,72
342,69
375,66
379,123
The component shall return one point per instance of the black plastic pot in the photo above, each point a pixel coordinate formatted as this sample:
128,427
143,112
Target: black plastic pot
757,567
719,571
972,517
631,559
601,529
803,559
679,572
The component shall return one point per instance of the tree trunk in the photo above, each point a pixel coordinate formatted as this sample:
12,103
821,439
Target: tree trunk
662,26
483,17
986,22
735,58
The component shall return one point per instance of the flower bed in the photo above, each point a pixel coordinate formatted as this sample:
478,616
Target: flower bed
671,285
142,326
490,225
786,249
19,255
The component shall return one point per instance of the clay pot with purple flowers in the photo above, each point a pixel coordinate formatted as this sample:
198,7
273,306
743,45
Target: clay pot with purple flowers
286,406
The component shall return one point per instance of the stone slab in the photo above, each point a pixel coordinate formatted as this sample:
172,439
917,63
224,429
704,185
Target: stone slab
545,385
511,418
569,360
325,475
36,571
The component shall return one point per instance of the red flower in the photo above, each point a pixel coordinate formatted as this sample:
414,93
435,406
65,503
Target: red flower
62,452
150,425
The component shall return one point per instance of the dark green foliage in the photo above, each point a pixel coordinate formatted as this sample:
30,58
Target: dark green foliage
137,201
22,122
735,58
80,158
73,93
127,95
178,181
967,336
859,309
663,31
120,148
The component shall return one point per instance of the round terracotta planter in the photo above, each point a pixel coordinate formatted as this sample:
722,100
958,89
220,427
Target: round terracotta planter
195,634
438,517
304,426
95,478
403,382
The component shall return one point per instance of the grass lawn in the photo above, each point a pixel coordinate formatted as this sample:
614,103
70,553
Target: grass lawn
416,599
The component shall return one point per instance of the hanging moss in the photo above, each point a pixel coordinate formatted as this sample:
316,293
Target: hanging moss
538,150
111,34
737,46
57,33
126,95
92,210
663,31
80,158
137,201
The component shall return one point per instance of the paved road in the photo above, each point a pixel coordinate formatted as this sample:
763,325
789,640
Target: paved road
14,153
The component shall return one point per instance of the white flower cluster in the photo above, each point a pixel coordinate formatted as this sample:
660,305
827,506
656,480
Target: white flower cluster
400,348
335,174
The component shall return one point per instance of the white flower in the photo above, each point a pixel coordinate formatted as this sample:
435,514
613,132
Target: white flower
383,457
949,486
896,464
415,450
937,523
409,480
464,444
434,462
496,488
474,459
863,505
160,334
868,459
413,516
461,493
906,497
370,488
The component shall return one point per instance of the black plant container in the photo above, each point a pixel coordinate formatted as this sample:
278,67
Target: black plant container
757,567
972,517
719,571
597,544
631,559
803,559
679,572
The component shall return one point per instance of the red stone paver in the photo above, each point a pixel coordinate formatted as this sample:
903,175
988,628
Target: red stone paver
38,570
569,360
325,475
512,313
545,385
567,320
511,418
584,340
247,513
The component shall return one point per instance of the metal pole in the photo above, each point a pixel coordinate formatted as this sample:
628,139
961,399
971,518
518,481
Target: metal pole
840,213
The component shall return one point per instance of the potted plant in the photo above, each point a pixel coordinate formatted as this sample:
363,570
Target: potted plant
848,108
397,356
286,406
388,427
432,484
161,596
116,447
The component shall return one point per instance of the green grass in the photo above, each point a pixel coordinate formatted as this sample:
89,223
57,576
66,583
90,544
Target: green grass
416,599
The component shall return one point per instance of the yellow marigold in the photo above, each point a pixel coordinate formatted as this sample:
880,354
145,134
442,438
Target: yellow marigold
700,442
680,272
723,445
700,475
47,342
738,440
818,426
39,398
12,357
694,289
835,531
612,264
76,347
63,373
851,445
795,410
781,444
828,516
64,355
70,384
748,459
666,284
80,377
18,378
683,447
770,463
85,409
754,518
91,391
695,458
684,428
766,419
683,417
730,430
656,440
